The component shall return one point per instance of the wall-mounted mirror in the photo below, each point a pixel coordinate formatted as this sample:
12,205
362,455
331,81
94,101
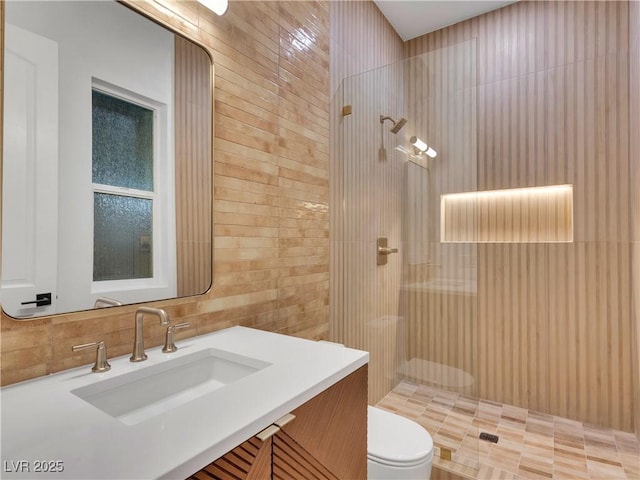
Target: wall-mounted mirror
107,159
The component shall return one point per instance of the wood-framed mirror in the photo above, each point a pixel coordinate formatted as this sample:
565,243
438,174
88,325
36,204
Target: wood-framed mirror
107,161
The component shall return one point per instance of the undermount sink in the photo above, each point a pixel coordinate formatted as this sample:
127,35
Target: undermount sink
136,396
185,409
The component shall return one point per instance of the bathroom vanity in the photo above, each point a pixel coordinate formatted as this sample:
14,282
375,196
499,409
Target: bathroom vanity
321,439
279,398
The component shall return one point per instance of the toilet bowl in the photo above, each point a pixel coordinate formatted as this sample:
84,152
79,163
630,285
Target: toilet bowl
397,448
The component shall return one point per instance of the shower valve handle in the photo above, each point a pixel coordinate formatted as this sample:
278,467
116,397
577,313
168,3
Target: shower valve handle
384,250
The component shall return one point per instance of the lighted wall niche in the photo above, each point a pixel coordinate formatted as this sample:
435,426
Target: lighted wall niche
520,215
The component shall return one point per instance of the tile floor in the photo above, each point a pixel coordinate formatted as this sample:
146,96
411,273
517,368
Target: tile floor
531,445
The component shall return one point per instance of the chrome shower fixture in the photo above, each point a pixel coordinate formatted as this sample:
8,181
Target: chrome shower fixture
397,125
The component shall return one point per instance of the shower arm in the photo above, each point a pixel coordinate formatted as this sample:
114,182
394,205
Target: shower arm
396,124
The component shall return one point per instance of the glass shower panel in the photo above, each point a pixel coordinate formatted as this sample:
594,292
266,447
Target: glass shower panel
440,279
370,178
439,289
416,314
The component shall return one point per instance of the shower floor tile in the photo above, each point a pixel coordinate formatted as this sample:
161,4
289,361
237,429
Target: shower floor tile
531,445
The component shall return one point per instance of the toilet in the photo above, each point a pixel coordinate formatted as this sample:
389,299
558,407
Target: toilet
397,448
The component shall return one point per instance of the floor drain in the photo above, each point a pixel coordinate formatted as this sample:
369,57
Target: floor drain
489,437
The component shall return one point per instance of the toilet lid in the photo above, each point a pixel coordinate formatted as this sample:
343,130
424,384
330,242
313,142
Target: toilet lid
395,440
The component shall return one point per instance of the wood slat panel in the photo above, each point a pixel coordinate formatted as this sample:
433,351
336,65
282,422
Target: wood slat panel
527,215
634,153
249,460
553,107
193,167
262,462
292,462
332,426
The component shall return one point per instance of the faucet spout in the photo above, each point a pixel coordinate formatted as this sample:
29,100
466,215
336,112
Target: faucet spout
138,354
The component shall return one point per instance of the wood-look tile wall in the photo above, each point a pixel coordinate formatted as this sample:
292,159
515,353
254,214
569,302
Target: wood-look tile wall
271,195
363,190
193,166
553,107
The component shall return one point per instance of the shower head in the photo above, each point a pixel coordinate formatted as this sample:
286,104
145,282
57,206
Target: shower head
397,125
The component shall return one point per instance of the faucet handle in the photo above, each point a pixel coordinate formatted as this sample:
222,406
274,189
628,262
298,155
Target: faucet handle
169,346
101,364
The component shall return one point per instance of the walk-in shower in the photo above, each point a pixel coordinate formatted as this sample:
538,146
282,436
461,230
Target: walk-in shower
516,302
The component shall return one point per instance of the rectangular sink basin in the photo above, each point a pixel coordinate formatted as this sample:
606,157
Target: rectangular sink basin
145,393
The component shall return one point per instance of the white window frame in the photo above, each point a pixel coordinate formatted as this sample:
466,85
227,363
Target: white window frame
163,210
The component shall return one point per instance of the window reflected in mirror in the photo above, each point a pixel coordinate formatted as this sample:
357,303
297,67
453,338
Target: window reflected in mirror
123,193
123,236
122,142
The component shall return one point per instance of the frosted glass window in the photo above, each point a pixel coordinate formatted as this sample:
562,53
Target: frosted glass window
123,247
122,143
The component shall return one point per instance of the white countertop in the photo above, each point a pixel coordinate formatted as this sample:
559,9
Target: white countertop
43,421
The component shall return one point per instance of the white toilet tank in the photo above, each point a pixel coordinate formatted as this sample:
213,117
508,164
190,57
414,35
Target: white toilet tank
397,448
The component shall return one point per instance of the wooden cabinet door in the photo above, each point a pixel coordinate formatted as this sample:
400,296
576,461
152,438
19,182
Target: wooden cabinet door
292,462
249,461
326,441
332,429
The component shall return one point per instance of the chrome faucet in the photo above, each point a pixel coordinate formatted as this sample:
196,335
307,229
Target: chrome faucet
138,354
